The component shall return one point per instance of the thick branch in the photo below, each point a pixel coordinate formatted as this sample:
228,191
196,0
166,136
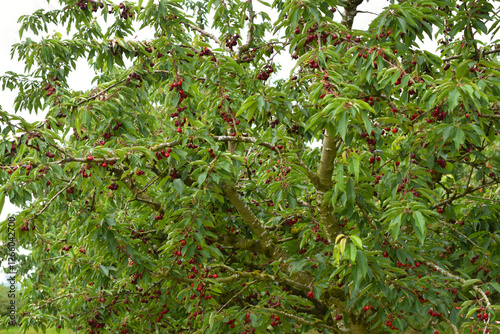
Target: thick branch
273,251
350,12
329,221
240,243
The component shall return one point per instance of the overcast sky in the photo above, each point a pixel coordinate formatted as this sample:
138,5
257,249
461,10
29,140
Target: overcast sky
81,79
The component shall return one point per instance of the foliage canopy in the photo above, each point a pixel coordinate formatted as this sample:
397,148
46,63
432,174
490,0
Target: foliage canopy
187,193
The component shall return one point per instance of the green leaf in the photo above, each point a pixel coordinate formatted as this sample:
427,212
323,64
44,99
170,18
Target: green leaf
352,252
495,285
179,186
395,227
356,240
104,270
362,262
462,69
420,224
453,98
470,282
351,194
202,178
2,201
355,165
342,125
459,138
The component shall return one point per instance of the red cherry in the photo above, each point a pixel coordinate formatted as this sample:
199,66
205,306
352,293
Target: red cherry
90,158
104,165
394,130
310,294
48,183
179,130
215,276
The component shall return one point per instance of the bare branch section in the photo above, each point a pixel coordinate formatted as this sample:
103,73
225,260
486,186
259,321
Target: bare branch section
271,249
329,221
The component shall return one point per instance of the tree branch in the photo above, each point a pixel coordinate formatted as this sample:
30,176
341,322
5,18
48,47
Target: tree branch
463,194
246,46
461,280
54,197
298,319
329,221
271,249
350,12
207,34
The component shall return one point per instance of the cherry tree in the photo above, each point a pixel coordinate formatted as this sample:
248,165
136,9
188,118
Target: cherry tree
193,190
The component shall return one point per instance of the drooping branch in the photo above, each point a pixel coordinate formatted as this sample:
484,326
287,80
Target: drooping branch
461,280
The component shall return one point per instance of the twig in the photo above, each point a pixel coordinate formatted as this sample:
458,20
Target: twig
236,295
207,34
53,198
465,193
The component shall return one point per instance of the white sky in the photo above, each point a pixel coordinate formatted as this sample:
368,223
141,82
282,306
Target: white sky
81,79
